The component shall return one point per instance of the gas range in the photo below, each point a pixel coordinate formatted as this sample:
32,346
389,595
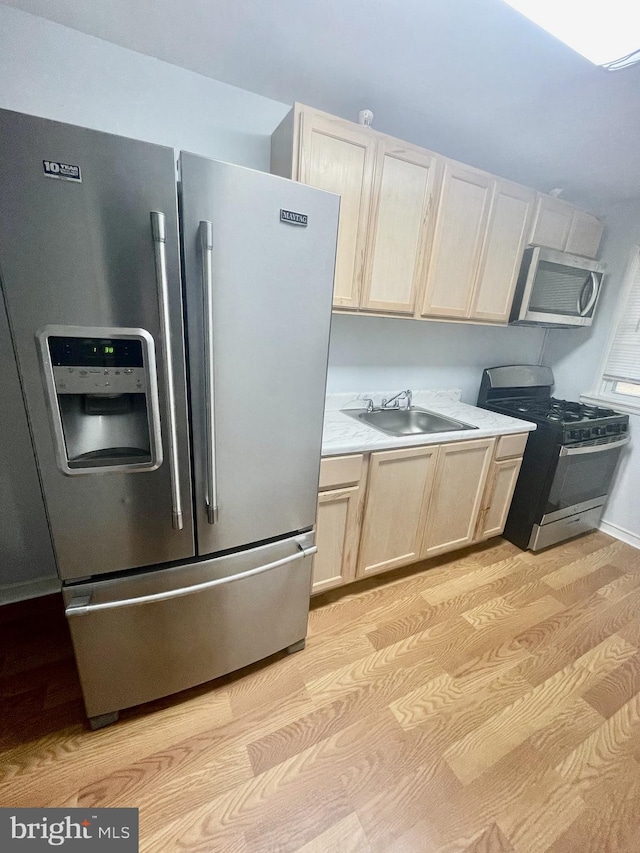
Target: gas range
574,422
569,461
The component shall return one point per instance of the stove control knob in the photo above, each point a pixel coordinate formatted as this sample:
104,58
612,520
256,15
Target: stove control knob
585,434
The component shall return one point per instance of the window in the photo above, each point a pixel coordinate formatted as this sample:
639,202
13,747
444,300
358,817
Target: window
620,375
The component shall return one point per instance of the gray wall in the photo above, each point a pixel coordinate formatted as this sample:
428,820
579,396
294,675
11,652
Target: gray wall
55,72
369,353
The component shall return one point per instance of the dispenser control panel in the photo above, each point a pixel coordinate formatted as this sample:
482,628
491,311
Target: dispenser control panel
97,365
102,390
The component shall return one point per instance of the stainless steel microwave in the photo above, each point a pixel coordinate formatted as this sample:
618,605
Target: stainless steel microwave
556,289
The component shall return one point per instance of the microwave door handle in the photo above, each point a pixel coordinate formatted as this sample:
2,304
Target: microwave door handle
206,250
593,283
159,233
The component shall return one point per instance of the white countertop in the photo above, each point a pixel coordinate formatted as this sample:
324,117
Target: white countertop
344,434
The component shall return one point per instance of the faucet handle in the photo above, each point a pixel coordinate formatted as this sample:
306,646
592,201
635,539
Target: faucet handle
369,402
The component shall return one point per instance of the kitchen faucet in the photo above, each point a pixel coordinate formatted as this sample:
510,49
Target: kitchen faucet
394,402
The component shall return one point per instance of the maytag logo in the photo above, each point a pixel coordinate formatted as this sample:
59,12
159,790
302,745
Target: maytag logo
293,218
75,829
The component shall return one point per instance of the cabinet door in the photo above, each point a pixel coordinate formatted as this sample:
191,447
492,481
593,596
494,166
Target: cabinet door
497,497
400,483
551,223
400,226
339,157
505,239
459,231
584,235
336,538
457,495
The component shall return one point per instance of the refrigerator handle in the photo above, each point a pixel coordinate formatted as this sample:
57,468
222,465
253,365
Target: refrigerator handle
159,232
206,247
82,606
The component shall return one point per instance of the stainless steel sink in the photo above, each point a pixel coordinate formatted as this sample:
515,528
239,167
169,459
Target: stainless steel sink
413,421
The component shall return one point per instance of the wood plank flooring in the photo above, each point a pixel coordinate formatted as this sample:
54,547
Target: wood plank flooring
485,702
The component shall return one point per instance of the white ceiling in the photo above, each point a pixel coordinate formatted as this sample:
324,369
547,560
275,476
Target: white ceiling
469,78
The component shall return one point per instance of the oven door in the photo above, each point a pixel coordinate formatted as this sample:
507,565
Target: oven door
582,478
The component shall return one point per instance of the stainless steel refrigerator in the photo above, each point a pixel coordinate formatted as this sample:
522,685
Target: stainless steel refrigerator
172,342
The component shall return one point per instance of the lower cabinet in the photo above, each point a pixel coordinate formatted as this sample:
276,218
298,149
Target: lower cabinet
496,500
340,503
390,508
398,495
337,534
457,496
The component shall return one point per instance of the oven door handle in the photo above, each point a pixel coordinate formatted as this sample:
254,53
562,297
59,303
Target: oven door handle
594,448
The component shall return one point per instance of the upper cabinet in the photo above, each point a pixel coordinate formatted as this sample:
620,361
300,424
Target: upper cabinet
339,157
559,225
481,230
504,243
461,220
585,234
421,235
388,193
400,228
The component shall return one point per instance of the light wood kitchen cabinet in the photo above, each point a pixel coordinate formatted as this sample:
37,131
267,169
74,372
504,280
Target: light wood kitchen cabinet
342,486
338,156
559,225
460,480
496,501
461,221
504,244
389,508
480,234
501,483
397,502
387,189
420,235
400,226
336,538
551,223
584,235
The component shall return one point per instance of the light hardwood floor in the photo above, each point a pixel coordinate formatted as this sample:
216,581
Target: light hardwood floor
485,703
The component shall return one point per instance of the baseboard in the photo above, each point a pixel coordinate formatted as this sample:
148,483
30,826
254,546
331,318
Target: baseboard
620,533
28,589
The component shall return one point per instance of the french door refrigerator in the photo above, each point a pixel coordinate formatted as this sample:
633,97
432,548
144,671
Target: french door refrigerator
176,419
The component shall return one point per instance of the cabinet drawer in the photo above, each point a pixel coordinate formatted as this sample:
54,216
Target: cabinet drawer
338,471
511,445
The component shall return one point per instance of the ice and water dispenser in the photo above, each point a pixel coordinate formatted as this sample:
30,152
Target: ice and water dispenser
103,397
